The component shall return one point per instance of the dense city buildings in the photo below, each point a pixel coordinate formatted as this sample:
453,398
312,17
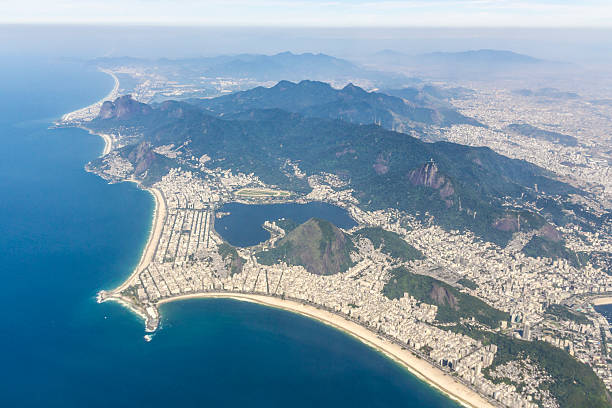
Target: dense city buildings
543,300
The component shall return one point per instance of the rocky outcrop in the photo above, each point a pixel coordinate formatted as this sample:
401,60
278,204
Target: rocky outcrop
507,224
429,175
122,108
549,232
381,166
442,296
141,157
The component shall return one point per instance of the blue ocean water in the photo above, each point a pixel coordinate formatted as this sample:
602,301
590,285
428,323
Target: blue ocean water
65,234
242,227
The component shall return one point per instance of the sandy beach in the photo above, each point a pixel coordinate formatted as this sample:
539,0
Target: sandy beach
77,117
108,141
602,301
159,218
420,368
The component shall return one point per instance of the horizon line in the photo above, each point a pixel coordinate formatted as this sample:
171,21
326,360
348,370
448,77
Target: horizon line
152,24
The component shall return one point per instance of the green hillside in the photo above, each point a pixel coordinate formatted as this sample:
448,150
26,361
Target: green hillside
351,104
461,186
390,243
543,247
230,254
317,245
452,304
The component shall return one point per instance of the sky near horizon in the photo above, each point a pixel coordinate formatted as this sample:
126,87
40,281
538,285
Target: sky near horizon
385,13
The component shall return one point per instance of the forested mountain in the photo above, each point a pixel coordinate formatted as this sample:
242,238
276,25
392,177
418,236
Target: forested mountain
462,186
350,104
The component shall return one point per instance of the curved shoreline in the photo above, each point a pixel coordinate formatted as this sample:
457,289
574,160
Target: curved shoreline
76,118
421,369
607,300
157,225
91,111
108,141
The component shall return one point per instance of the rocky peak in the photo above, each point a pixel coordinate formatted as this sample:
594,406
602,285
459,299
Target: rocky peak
141,157
442,296
123,107
550,232
353,90
428,175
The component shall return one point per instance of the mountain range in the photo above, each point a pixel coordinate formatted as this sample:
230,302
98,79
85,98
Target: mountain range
263,68
411,108
470,64
484,56
461,186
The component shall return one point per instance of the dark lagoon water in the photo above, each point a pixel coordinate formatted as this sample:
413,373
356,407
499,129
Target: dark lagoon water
606,311
243,226
65,234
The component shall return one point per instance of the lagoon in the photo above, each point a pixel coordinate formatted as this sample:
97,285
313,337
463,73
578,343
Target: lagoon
243,226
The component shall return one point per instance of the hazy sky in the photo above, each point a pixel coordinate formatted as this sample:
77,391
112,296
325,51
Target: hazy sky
453,13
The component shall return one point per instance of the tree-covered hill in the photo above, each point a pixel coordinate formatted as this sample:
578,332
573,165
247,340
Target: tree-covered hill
462,186
317,245
452,304
389,243
351,104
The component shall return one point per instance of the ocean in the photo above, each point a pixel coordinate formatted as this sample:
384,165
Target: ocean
65,234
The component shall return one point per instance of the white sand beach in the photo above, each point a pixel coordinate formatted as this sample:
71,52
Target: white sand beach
420,368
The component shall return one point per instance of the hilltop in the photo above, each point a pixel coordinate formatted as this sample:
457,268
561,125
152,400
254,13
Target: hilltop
317,245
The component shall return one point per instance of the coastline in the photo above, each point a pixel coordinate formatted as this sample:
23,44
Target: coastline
91,111
159,211
157,225
602,301
77,117
108,141
151,317
422,369
426,372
